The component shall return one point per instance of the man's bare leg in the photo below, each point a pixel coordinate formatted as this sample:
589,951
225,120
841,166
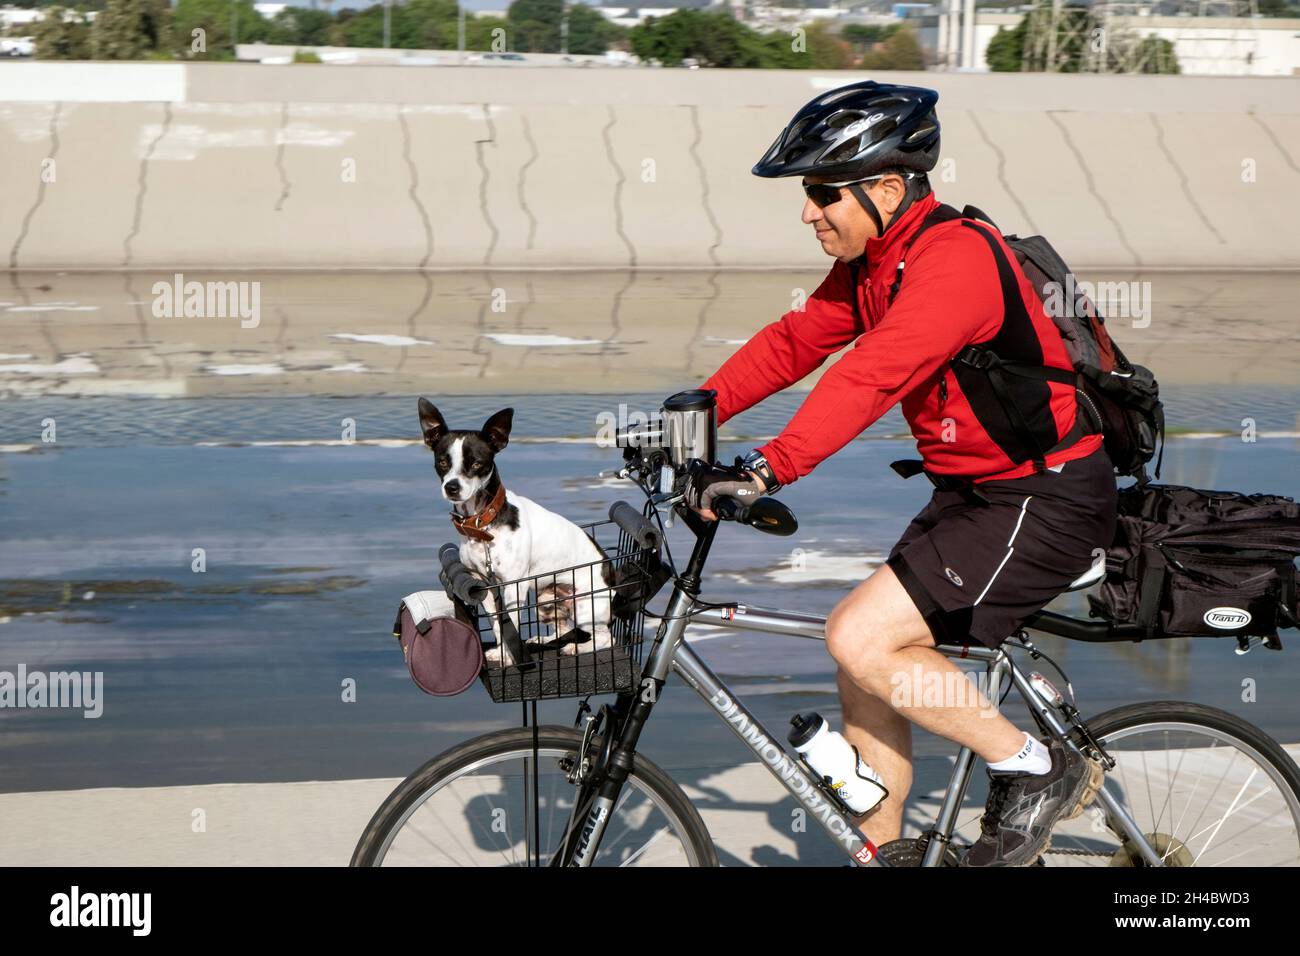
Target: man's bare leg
884,739
884,648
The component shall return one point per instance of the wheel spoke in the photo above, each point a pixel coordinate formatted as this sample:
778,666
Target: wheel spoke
1258,792
643,824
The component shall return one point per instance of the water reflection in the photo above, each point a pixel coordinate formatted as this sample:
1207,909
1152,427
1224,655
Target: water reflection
483,332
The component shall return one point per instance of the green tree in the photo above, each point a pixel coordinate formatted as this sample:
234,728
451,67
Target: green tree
1006,48
535,25
827,51
478,31
130,29
300,27
866,34
220,22
589,32
1074,52
417,25
714,39
901,51
1157,56
61,35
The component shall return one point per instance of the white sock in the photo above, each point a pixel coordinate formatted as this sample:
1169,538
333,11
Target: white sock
1033,757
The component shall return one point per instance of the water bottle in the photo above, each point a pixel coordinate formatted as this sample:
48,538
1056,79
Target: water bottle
836,763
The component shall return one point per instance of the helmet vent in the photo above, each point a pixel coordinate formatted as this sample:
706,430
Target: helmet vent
797,130
844,118
844,152
836,95
921,133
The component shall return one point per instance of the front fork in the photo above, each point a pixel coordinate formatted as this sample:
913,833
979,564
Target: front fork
599,781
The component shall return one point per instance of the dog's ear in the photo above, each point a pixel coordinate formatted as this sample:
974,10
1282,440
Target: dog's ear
431,423
497,430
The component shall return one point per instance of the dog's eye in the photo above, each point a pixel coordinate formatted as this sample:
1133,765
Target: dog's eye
442,463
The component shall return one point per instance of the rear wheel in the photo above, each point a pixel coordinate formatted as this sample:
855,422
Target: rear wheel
488,802
1205,787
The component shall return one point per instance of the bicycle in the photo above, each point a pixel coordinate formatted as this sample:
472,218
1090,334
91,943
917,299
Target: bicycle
482,802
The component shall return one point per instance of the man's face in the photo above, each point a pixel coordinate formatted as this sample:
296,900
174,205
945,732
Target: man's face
844,227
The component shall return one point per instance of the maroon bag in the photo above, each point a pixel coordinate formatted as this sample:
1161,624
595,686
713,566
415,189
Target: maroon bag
443,652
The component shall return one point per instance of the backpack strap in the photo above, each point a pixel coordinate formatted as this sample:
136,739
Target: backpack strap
985,359
940,213
973,212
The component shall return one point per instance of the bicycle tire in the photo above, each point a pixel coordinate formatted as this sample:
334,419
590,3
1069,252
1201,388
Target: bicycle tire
411,791
1130,716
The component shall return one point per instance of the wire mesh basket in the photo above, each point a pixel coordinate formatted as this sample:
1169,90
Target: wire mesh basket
572,631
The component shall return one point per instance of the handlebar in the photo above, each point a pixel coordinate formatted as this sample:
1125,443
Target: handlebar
635,524
647,463
729,509
457,579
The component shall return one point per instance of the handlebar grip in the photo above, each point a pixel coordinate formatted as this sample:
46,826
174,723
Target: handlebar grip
457,579
729,509
635,524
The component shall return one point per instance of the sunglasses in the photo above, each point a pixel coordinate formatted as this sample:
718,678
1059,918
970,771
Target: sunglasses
824,194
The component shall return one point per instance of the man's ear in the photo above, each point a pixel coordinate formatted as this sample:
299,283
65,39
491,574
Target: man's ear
497,430
893,189
431,424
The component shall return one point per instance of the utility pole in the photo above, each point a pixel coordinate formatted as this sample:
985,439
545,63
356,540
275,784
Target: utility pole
234,28
950,57
460,32
388,23
564,30
968,35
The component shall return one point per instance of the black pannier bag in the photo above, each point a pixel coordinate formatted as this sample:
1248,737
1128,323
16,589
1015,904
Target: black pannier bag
1192,563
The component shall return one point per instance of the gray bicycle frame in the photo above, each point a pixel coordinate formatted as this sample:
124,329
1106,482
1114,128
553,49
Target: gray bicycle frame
672,652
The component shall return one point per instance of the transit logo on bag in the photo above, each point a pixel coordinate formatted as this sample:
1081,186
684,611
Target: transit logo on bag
1226,618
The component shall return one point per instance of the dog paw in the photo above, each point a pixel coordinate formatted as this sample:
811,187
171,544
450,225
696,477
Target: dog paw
498,657
569,650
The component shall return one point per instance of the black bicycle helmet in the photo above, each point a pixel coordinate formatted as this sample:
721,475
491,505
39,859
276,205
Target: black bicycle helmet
855,131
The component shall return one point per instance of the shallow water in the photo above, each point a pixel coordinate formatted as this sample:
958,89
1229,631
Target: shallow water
236,673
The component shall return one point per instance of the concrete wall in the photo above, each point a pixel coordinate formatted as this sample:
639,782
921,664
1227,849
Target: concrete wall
248,166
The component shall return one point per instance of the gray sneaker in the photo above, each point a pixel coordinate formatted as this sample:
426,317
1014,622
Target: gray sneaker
1022,808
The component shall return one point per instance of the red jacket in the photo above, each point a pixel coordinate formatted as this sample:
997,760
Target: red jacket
951,297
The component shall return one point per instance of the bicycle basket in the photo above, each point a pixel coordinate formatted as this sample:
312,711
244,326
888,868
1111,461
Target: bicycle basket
571,631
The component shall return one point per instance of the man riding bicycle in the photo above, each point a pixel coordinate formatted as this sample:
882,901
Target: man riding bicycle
1023,498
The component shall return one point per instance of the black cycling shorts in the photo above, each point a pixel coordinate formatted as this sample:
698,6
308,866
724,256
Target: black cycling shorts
975,571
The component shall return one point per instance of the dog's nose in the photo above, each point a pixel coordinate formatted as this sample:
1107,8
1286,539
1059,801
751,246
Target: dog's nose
452,487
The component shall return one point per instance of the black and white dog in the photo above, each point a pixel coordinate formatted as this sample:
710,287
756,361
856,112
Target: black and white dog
508,537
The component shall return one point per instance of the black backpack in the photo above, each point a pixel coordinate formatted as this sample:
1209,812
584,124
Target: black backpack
1119,399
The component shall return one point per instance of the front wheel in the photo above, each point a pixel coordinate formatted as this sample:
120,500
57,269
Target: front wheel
488,802
1205,787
